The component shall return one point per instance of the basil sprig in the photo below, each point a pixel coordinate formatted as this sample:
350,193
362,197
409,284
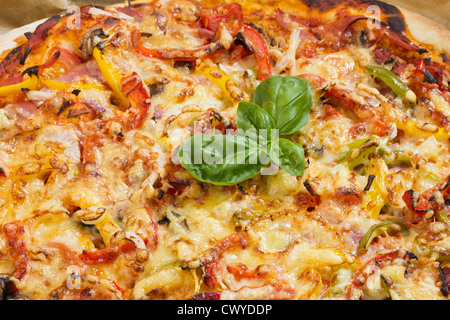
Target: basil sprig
287,99
220,159
281,106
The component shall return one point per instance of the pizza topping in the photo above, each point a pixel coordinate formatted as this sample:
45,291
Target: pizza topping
222,41
280,103
378,229
111,75
256,43
432,199
287,100
15,232
93,38
221,79
421,129
227,13
395,258
40,34
28,84
391,80
131,11
223,38
7,287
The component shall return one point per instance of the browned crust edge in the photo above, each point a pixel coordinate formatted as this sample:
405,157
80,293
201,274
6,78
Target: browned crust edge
427,31
421,28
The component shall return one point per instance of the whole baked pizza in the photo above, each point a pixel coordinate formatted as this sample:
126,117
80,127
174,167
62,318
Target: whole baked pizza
255,149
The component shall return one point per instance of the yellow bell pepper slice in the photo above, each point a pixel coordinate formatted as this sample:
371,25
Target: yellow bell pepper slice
86,242
222,80
376,197
414,128
107,228
112,76
311,284
60,85
31,83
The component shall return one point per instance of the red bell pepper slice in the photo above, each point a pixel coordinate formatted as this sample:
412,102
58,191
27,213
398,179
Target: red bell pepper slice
133,88
206,51
259,47
105,255
408,198
425,201
253,38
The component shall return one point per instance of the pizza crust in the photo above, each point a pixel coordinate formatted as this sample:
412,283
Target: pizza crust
421,28
16,36
427,31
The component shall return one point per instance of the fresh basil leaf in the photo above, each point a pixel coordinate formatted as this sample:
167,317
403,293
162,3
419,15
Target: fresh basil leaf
220,159
252,116
254,122
287,99
289,156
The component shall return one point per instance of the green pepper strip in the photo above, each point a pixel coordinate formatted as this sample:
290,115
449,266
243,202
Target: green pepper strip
360,158
442,217
390,79
376,230
345,154
396,157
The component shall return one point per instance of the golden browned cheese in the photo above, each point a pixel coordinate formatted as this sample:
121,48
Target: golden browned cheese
93,205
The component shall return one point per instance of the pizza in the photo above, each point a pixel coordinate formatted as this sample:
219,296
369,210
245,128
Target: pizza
252,149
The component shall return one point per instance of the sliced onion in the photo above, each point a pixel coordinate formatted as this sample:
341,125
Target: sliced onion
137,240
95,10
120,15
38,97
66,137
289,58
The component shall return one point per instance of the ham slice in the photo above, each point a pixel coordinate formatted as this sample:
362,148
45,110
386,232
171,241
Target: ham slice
20,110
89,69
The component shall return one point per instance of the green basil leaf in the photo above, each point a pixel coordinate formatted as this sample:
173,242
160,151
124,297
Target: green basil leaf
220,159
254,122
289,156
252,116
287,99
